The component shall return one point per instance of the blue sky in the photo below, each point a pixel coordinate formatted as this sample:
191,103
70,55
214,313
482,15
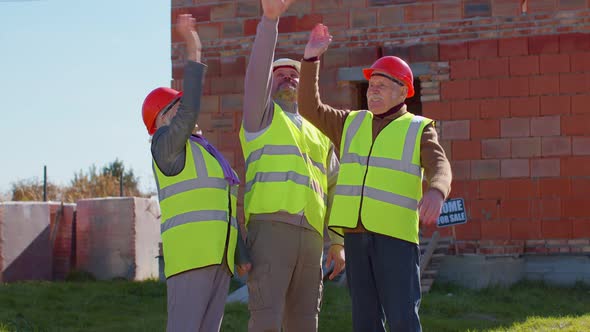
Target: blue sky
73,75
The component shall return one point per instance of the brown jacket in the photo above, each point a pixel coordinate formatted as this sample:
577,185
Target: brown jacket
437,169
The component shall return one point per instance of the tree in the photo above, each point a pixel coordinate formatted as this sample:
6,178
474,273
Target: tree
102,184
91,184
32,190
116,169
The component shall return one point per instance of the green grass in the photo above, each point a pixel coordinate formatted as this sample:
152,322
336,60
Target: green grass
127,306
527,306
87,306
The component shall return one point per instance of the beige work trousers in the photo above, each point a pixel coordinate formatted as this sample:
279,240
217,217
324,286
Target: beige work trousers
196,299
285,283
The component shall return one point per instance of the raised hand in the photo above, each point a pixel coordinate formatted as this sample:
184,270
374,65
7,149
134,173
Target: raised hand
273,9
185,26
319,40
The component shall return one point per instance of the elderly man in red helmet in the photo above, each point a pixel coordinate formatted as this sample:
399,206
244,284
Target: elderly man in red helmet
197,190
290,172
384,152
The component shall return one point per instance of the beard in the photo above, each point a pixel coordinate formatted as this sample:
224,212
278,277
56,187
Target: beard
286,91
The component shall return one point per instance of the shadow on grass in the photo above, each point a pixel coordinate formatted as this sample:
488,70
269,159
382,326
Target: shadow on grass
334,317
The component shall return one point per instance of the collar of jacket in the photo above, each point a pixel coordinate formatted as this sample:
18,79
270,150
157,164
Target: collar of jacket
393,113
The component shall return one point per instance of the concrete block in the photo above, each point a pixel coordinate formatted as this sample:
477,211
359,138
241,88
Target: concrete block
118,238
25,247
556,269
478,271
562,279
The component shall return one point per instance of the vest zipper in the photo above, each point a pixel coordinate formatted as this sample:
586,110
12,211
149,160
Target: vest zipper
363,186
367,170
226,248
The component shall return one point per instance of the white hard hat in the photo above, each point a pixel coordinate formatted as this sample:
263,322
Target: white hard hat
286,62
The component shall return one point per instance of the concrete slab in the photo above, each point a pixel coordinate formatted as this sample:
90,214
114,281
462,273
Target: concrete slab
559,269
118,238
25,247
147,238
479,271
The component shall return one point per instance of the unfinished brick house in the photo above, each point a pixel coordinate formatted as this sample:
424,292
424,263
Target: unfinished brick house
508,82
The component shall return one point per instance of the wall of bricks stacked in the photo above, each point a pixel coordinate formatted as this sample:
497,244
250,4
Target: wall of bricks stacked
510,93
61,223
515,118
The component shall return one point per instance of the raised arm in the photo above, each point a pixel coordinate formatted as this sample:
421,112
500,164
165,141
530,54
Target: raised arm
169,141
326,118
258,108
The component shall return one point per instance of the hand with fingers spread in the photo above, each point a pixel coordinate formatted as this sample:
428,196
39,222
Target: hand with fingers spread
273,9
319,40
430,206
185,26
336,255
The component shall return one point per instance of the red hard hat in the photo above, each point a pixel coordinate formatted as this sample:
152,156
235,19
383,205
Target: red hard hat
154,103
396,68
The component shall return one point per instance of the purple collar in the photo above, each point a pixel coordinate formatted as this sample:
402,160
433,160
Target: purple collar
228,172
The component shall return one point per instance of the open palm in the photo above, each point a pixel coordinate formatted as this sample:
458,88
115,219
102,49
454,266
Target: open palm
272,9
319,40
185,26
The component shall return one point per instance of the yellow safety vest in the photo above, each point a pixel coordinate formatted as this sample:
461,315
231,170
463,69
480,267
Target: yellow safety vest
198,210
286,170
382,179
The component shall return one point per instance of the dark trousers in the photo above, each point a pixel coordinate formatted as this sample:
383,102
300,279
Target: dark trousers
383,275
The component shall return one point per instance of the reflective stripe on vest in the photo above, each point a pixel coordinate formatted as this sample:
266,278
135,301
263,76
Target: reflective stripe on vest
286,170
282,150
197,216
403,165
198,210
190,185
378,195
387,182
285,177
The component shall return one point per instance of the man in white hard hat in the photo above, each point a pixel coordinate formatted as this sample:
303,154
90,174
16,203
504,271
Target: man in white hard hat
290,169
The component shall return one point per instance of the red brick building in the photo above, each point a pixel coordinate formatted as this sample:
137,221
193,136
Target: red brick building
508,82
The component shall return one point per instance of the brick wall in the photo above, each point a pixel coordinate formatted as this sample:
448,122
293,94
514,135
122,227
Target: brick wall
61,223
515,123
510,93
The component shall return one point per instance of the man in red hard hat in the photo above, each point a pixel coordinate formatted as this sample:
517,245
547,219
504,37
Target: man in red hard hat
384,153
197,191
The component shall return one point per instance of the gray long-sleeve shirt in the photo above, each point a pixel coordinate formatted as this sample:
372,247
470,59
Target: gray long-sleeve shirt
259,110
168,143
